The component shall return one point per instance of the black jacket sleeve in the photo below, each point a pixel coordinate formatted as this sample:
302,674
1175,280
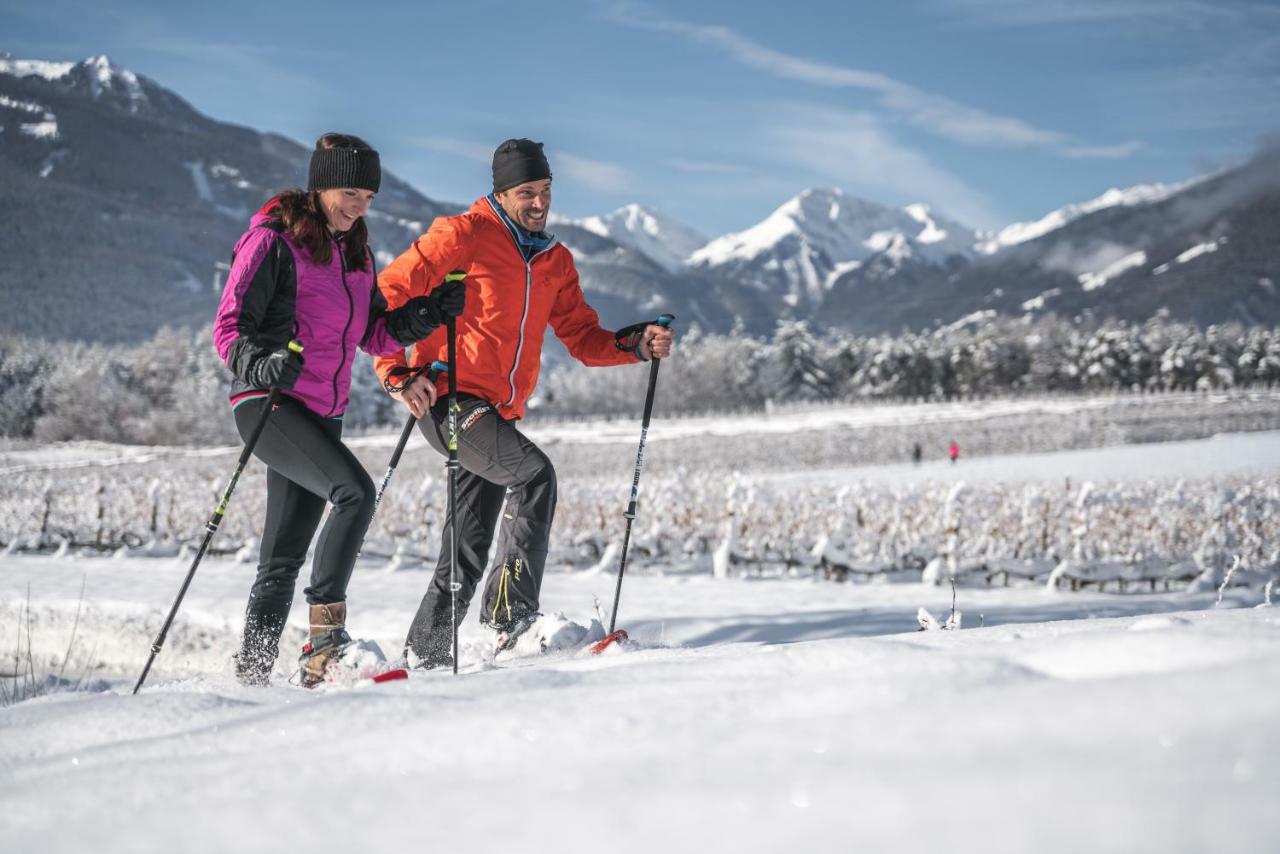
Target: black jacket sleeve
260,318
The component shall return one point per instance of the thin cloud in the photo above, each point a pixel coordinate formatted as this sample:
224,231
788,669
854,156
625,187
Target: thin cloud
1118,151
596,174
702,167
1039,12
935,113
472,151
854,151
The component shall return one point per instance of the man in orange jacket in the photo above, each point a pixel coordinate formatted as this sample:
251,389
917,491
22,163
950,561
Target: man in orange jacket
519,281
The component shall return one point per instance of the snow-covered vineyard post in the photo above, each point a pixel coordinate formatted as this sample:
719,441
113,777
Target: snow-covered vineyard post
1136,535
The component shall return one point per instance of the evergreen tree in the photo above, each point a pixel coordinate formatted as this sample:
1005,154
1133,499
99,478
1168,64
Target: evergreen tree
793,369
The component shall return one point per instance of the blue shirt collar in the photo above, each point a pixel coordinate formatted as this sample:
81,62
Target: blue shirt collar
529,243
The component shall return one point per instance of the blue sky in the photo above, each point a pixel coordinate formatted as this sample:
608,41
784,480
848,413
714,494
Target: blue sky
717,112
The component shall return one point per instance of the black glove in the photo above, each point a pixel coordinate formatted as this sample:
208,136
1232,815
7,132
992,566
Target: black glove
415,320
280,369
628,338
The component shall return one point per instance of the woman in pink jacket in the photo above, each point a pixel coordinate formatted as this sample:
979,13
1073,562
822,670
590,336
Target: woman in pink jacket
304,272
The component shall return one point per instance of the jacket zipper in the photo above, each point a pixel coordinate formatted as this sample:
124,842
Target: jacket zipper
528,289
524,314
351,312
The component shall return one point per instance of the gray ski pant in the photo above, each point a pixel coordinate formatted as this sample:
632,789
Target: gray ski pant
497,464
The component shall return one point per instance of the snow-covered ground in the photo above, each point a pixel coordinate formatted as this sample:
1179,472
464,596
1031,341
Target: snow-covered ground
1255,454
771,715
758,714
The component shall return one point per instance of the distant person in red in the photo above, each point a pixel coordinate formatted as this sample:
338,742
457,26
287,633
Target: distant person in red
954,451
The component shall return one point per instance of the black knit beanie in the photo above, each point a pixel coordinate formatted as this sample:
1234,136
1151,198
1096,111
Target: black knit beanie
334,168
518,161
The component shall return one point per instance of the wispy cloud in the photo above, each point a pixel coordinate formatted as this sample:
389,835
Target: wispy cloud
1104,152
1039,12
472,151
855,152
596,174
935,113
1234,87
702,167
1213,64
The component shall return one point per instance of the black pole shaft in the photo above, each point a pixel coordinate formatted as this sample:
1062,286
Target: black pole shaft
211,528
395,459
391,467
409,424
630,515
452,470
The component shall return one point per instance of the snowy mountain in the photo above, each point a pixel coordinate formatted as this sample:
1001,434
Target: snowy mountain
1021,232
98,79
132,199
1203,250
117,192
662,239
803,247
1127,254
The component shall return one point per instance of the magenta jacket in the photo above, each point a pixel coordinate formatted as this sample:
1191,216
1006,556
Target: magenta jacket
274,294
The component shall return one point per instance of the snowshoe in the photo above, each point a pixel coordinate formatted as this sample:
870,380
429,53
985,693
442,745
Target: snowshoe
329,639
362,661
509,633
319,652
619,637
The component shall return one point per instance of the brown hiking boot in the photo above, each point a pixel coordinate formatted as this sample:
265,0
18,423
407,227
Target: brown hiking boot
328,639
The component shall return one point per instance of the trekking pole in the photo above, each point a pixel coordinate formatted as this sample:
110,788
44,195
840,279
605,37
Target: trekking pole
630,515
437,368
211,527
451,468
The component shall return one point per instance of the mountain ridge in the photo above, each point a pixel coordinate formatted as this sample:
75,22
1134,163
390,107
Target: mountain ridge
131,199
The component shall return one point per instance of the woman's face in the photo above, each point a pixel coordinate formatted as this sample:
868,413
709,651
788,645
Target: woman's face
343,206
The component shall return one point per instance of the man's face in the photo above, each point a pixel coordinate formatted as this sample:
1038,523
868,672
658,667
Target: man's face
528,204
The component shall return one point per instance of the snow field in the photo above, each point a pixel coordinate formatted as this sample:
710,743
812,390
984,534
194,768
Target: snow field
763,710
779,715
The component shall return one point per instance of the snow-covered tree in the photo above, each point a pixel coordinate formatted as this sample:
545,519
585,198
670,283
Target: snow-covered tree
792,367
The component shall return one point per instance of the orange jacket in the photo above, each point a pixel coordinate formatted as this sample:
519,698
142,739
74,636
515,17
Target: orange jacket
509,306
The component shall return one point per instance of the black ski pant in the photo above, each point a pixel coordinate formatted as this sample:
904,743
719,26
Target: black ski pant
497,464
307,468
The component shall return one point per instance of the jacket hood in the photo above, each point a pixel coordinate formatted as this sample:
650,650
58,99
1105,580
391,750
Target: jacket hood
264,214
